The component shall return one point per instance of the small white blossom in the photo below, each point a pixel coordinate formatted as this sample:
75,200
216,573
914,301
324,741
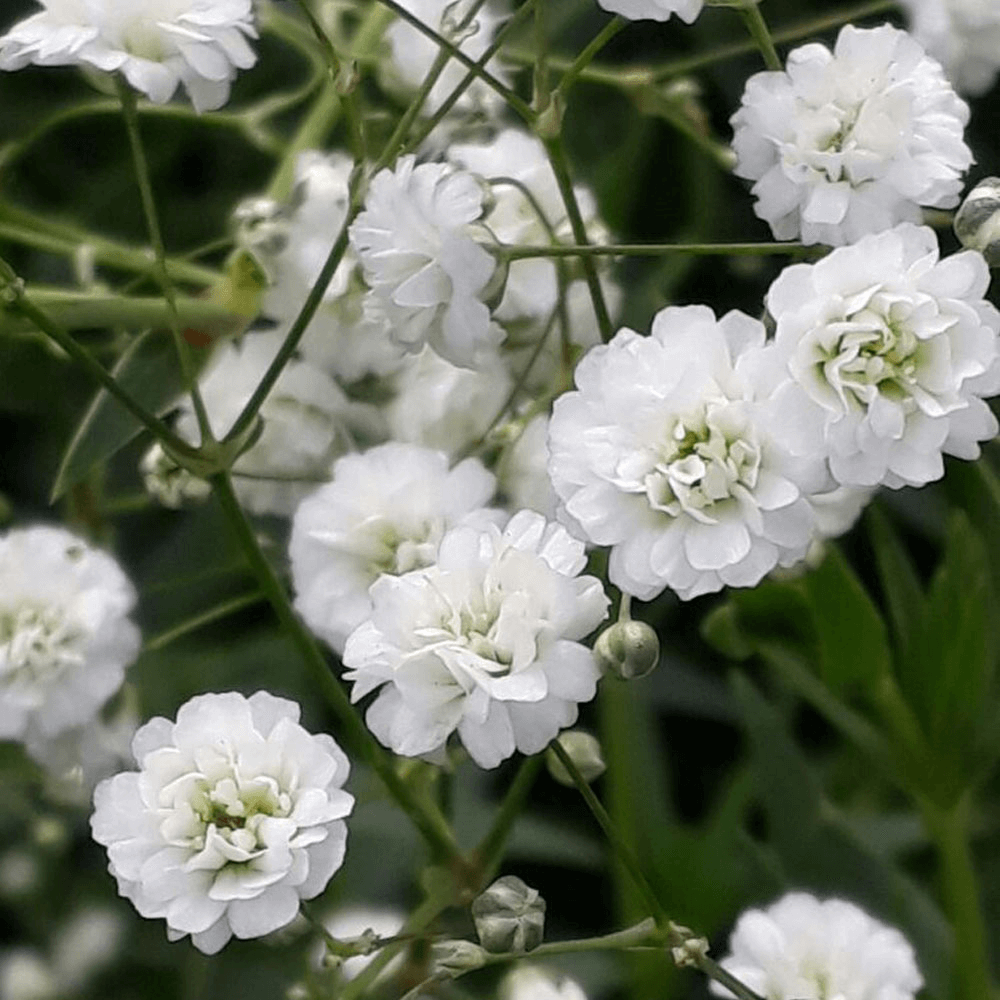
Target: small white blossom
666,453
65,640
654,10
416,243
852,141
890,351
235,815
804,948
440,405
531,982
385,511
412,53
486,642
963,35
308,422
155,44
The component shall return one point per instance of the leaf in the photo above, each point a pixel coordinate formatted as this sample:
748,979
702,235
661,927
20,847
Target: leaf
150,372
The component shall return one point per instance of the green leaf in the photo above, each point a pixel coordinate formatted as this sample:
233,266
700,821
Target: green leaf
149,371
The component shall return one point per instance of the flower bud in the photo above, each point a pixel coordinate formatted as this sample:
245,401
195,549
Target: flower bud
628,649
585,752
456,957
977,222
509,916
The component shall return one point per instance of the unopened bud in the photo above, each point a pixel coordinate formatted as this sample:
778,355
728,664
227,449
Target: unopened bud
509,916
585,752
628,649
453,958
687,948
977,222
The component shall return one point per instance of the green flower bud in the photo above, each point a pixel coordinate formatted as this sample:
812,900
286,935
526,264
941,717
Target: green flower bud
453,958
509,916
585,752
977,222
628,649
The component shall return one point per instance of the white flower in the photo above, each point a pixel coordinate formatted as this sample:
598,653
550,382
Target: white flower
308,422
156,44
890,350
851,142
427,272
530,982
963,35
485,642
523,470
666,453
804,948
293,245
440,405
412,53
236,814
385,511
65,640
655,10
352,922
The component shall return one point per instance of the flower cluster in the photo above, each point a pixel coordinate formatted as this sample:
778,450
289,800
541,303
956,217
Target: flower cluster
235,815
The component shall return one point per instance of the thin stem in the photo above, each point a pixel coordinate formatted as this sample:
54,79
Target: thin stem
128,101
476,67
586,57
643,933
489,853
560,167
196,622
519,251
14,299
431,824
757,26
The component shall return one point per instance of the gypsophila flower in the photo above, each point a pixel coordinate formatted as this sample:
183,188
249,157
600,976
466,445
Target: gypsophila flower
440,405
412,53
308,422
485,642
65,638
654,10
155,44
385,511
235,815
804,948
415,240
666,452
963,35
890,351
530,982
851,142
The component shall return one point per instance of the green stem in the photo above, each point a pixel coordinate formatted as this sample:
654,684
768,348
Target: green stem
586,57
431,824
560,167
519,251
642,934
489,853
128,100
196,622
14,299
757,27
949,829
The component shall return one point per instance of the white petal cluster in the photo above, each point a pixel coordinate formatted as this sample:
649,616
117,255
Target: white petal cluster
963,35
412,53
65,638
852,141
385,511
155,44
415,240
235,815
531,982
308,422
804,948
654,10
666,452
486,642
890,351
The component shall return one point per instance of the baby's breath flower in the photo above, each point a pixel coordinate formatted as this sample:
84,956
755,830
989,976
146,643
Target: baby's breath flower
654,10
235,815
155,44
853,141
